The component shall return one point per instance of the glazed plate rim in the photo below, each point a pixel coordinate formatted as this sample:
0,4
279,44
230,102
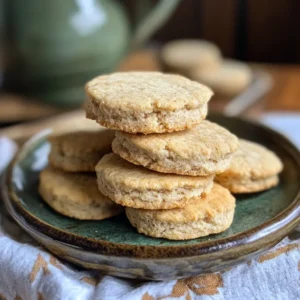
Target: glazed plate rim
280,225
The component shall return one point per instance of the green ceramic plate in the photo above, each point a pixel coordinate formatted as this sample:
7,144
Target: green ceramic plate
113,246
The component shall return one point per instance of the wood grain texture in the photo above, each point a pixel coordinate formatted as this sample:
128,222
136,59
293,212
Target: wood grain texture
254,30
184,23
285,94
272,30
218,22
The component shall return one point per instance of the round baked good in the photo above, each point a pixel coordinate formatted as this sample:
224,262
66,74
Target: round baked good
229,79
146,102
182,56
203,150
210,214
253,168
75,195
138,187
79,151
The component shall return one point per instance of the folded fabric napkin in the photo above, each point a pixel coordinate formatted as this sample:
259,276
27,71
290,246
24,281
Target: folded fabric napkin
29,272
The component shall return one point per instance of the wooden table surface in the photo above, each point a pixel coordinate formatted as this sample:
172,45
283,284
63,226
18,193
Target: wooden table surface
283,96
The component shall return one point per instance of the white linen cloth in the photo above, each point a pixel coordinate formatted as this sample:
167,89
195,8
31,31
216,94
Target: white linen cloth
29,272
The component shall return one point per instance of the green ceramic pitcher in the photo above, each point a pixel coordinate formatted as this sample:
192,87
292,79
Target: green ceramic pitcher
58,45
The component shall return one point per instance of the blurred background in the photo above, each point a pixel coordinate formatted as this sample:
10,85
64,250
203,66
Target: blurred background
248,51
252,30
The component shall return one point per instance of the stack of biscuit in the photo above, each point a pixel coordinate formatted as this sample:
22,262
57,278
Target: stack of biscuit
165,153
165,159
69,183
202,61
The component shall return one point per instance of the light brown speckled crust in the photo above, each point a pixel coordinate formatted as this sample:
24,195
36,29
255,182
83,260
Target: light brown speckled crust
229,79
253,168
85,163
246,185
146,102
182,56
210,214
203,150
135,186
79,151
75,195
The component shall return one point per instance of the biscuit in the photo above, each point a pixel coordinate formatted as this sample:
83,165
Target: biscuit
230,79
75,195
146,102
181,56
203,150
79,151
253,168
210,214
135,186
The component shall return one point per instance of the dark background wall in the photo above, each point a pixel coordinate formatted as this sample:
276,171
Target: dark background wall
255,30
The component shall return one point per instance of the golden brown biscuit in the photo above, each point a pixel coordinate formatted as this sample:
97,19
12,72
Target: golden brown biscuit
75,195
253,168
182,56
229,79
203,150
135,186
79,151
146,102
200,217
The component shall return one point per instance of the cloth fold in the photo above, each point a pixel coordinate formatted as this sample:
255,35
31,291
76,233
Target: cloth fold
29,272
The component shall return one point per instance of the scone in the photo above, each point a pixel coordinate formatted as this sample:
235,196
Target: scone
75,195
200,217
135,186
79,151
203,150
146,102
230,79
253,168
181,56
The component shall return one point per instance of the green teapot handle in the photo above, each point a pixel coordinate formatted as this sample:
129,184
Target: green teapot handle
153,21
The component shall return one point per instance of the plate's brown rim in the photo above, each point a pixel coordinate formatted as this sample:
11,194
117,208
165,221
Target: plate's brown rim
280,225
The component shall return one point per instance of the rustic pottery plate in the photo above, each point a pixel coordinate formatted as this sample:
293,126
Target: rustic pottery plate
113,246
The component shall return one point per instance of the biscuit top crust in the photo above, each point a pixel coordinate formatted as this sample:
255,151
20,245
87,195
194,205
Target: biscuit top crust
230,75
147,92
208,140
217,202
80,142
79,188
253,161
121,173
188,53
229,71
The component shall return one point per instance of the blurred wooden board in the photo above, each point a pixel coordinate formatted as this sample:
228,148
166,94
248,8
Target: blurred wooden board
70,121
16,108
143,60
284,95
